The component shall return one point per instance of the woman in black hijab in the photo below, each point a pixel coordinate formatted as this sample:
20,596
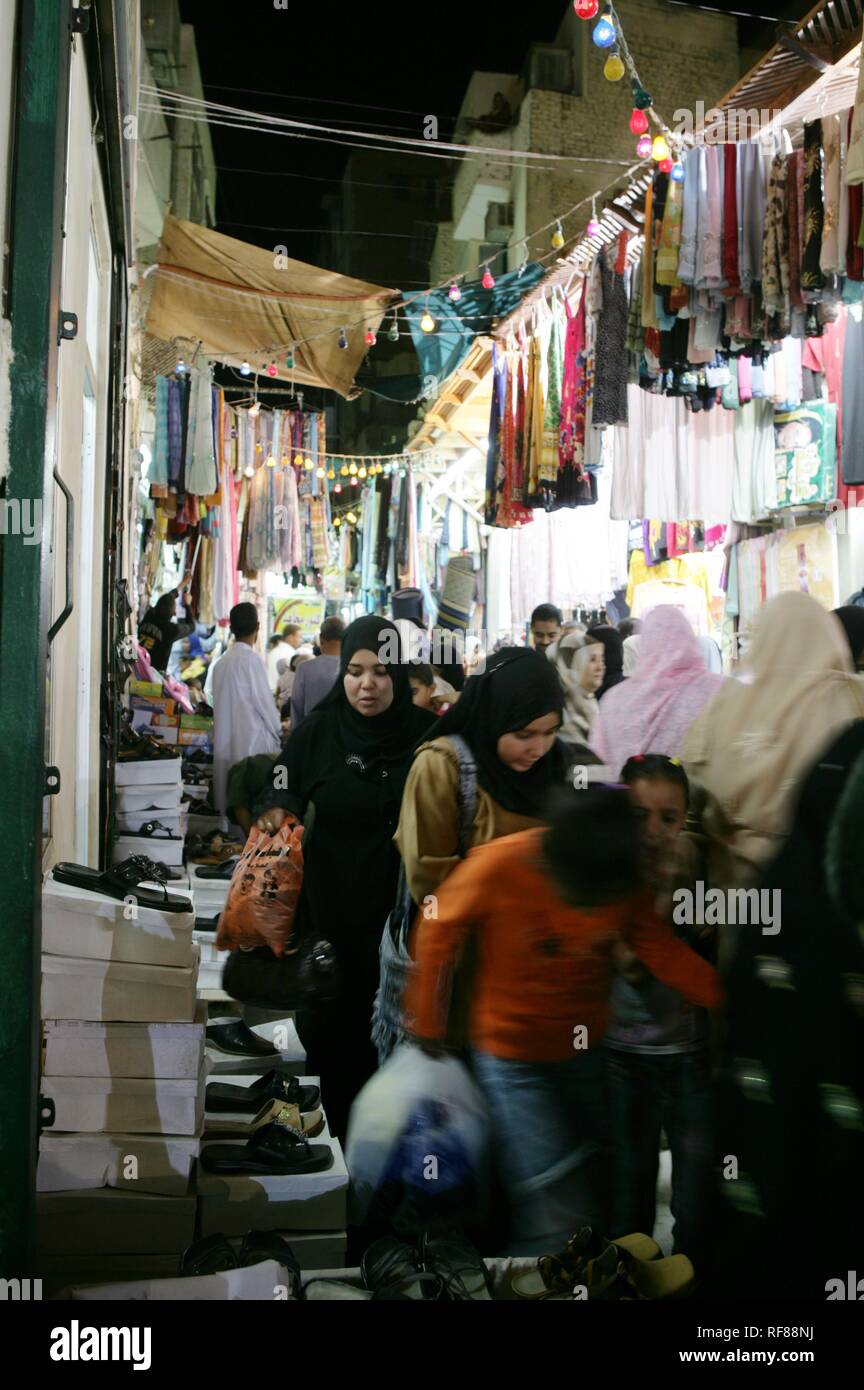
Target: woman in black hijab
509,719
348,761
613,651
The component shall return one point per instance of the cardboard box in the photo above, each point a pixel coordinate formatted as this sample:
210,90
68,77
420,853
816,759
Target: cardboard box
126,1105
129,1162
76,922
156,706
147,772
161,851
195,738
168,734
130,800
151,690
304,1202
266,1282
196,721
118,991
106,1222
59,1273
130,822
169,1051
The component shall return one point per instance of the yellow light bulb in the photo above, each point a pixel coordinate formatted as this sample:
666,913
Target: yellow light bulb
337,521
557,238
613,70
344,470
307,464
271,462
320,472
259,448
352,469
285,460
379,468
427,323
331,473
660,149
361,472
352,518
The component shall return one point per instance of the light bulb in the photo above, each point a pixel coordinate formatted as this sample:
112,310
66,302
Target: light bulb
586,9
352,469
643,146
393,331
613,68
338,487
308,465
379,468
285,461
593,228
641,99
355,482
603,33
557,237
659,148
352,518
361,471
678,173
255,411
369,338
454,293
331,474
344,470
320,472
181,367
272,369
427,323
249,471
343,340
245,369
271,462
638,122
289,361
337,521
401,472
666,166
488,281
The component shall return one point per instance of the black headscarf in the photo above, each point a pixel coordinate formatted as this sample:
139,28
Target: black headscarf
613,650
372,742
852,619
518,686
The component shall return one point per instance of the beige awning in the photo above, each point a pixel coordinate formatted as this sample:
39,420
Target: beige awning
244,303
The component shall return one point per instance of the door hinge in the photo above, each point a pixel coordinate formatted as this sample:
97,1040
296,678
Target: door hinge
80,20
47,1112
52,781
67,325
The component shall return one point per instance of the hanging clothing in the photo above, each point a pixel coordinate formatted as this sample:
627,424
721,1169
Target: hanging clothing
201,476
245,719
855,156
812,279
831,262
853,399
775,251
610,360
652,711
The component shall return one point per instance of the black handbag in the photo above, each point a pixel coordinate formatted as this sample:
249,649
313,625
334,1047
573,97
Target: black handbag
304,976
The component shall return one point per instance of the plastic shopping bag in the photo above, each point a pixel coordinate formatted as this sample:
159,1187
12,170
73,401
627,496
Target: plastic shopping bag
417,1145
264,891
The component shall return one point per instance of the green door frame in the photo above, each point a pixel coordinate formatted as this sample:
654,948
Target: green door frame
39,168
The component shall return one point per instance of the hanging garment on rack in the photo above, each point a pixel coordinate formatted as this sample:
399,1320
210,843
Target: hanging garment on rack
812,279
794,181
775,251
693,165
201,478
730,216
754,492
855,158
572,426
750,194
494,457
158,475
550,460
610,357
534,407
855,202
853,399
669,245
175,433
830,260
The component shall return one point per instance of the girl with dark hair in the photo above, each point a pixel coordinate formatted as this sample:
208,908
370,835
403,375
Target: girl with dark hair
657,1044
349,760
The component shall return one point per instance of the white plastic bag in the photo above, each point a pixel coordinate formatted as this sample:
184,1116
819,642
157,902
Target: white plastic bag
417,1144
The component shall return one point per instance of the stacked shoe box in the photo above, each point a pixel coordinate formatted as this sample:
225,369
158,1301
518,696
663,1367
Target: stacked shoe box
308,1209
209,896
150,790
123,1077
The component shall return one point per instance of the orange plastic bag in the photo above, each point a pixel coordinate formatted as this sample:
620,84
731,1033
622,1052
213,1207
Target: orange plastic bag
264,891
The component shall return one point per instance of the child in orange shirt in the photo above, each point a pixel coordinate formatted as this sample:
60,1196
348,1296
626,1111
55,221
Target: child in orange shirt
547,907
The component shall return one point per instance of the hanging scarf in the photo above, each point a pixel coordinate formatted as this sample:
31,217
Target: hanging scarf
775,251
375,743
666,265
812,279
830,260
518,687
730,216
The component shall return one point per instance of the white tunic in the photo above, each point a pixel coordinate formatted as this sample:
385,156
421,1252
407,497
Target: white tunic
245,719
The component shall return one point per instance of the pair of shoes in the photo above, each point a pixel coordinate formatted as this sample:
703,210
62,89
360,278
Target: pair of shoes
443,1268
221,1098
135,746
278,1148
123,881
310,1122
214,1255
588,1260
233,1037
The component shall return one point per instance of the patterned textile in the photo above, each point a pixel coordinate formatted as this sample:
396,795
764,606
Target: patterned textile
666,264
830,260
175,432
158,475
554,384
318,527
775,252
610,362
812,279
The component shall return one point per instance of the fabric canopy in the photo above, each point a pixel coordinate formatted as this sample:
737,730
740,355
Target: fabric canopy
244,303
443,351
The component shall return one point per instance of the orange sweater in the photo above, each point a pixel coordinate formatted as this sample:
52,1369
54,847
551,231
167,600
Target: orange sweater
543,969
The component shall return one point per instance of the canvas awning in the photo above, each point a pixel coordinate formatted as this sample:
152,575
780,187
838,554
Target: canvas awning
245,303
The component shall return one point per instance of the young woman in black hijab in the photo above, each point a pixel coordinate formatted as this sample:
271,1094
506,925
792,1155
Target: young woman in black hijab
613,651
509,717
348,761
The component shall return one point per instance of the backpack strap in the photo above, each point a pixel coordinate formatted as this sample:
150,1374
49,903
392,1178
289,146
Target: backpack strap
467,795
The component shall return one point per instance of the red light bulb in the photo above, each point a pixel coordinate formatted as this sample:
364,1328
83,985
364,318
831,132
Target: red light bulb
369,338
666,166
272,369
638,122
488,281
586,9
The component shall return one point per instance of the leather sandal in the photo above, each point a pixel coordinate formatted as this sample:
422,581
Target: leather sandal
556,1275
222,1098
461,1268
392,1270
275,1149
123,881
311,1124
211,1255
235,1039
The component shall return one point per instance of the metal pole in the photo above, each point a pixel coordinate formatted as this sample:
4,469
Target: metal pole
39,156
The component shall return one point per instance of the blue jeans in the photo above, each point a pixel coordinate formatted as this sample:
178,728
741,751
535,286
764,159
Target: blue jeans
552,1147
647,1094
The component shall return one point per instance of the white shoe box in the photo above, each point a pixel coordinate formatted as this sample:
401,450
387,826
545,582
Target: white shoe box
291,1056
77,922
155,799
162,1164
118,991
148,772
210,977
266,1282
130,822
160,851
107,1222
169,1051
302,1202
126,1104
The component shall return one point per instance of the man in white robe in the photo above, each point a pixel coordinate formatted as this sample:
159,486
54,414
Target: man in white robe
245,718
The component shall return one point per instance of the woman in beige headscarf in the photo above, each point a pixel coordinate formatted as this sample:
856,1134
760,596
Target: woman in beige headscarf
753,744
580,664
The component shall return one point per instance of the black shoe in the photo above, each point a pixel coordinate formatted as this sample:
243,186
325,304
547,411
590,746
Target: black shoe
236,1040
224,1099
276,1149
258,1246
207,924
210,1255
123,881
221,872
458,1265
392,1270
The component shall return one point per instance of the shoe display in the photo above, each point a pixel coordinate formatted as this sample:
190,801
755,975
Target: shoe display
211,1255
458,1264
310,1123
235,1039
223,872
276,1149
221,1098
556,1275
392,1270
123,881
